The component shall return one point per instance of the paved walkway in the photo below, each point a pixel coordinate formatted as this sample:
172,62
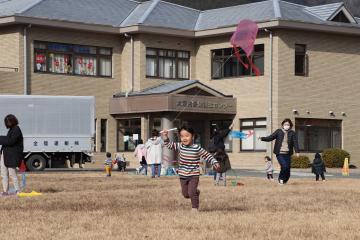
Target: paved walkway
295,173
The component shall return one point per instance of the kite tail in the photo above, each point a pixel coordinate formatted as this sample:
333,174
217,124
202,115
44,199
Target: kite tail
254,68
237,54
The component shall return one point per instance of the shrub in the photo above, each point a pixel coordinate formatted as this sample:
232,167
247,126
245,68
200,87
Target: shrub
300,162
334,158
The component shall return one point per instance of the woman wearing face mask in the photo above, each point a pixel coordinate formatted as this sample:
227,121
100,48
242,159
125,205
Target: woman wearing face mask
285,143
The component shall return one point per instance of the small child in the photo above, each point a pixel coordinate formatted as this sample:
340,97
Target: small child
224,162
269,168
108,164
140,153
318,167
189,160
121,162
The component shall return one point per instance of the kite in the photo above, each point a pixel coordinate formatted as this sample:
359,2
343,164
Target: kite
244,37
241,135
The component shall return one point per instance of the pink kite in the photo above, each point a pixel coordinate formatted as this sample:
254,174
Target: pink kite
244,38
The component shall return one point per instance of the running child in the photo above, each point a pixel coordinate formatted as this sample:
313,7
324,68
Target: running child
189,160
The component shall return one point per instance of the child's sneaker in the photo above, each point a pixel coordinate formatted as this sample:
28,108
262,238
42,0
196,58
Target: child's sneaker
281,182
194,210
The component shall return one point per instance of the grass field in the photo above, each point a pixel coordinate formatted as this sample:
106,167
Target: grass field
91,206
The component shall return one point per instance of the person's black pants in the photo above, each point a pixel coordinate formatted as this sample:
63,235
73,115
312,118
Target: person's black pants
322,176
285,164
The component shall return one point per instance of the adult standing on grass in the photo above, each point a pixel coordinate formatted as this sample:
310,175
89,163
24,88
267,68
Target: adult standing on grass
285,143
154,152
12,147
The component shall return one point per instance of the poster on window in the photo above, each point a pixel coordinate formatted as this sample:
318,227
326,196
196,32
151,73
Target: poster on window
85,65
60,63
40,61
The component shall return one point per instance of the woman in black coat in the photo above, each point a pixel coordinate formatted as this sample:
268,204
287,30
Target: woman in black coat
12,148
285,143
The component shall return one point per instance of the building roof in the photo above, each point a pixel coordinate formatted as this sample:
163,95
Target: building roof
230,16
156,13
324,11
167,88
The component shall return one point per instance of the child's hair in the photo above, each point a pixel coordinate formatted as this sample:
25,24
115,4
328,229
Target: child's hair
140,141
267,158
154,133
188,129
108,155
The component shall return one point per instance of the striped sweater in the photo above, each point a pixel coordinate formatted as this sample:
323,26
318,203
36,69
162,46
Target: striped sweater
108,162
189,158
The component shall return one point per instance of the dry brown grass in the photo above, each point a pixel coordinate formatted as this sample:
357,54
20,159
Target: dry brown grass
91,206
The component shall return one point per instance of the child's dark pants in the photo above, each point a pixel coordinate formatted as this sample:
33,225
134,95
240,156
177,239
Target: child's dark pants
322,176
189,190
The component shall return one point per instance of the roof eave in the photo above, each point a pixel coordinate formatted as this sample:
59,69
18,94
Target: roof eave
59,24
7,20
349,30
230,29
158,30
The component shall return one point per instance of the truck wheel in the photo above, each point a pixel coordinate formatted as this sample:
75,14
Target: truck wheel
36,163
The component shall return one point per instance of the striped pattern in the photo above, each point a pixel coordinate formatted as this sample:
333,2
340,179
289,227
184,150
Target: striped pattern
189,158
108,162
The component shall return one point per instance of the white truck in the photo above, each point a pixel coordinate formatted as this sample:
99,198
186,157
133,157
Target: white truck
57,130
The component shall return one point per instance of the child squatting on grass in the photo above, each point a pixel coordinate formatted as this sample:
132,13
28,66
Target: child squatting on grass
189,160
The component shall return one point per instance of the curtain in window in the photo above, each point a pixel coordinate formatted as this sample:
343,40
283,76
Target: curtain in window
105,67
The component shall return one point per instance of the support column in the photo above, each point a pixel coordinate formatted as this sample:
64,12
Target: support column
168,155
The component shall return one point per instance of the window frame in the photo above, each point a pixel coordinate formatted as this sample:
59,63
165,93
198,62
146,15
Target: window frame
73,55
176,58
130,126
305,72
253,127
306,129
224,57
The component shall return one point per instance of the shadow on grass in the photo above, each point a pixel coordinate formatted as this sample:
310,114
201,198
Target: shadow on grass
224,209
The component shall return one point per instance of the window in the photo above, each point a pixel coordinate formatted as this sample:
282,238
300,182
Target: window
255,128
103,135
72,59
220,125
300,60
94,140
341,17
315,135
167,64
128,134
225,64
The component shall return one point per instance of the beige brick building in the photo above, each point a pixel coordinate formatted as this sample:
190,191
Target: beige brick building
139,61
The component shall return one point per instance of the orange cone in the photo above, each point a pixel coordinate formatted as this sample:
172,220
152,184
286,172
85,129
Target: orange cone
345,170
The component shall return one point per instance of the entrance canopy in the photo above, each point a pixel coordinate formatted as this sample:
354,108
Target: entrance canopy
184,96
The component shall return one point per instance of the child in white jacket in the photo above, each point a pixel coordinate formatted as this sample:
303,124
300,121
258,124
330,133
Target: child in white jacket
140,153
154,153
269,168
